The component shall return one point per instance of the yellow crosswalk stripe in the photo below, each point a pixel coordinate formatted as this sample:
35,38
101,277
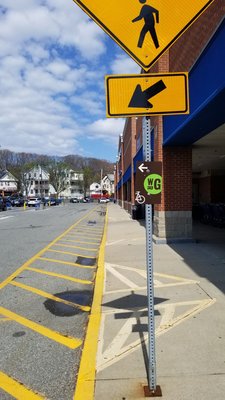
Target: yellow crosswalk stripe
70,253
49,296
67,277
65,262
67,341
16,389
79,241
74,247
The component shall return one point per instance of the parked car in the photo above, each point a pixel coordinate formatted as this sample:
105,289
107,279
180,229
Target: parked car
34,201
17,201
54,202
45,200
50,201
74,200
103,200
3,204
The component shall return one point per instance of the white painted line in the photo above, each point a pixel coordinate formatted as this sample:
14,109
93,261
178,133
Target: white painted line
105,360
114,242
120,276
175,277
138,270
168,315
126,290
101,339
116,346
9,216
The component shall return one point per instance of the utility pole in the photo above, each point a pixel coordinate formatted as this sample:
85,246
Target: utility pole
101,182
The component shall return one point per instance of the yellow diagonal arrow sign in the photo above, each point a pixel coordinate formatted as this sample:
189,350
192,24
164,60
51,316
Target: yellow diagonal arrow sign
147,94
145,29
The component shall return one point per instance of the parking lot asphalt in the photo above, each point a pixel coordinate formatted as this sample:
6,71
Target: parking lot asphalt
45,302
189,285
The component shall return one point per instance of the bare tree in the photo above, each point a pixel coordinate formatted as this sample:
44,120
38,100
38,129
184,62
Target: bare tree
21,173
87,179
57,175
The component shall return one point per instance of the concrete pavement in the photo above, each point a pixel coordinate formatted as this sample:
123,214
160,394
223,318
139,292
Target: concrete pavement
189,282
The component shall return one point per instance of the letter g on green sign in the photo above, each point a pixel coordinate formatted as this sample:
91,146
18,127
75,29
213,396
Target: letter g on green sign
153,184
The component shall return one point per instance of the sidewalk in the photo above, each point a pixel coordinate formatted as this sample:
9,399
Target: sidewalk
189,284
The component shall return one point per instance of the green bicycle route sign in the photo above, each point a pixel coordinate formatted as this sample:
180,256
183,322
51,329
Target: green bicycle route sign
148,185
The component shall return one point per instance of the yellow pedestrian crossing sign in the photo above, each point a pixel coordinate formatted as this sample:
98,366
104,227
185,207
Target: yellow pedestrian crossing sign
145,29
147,94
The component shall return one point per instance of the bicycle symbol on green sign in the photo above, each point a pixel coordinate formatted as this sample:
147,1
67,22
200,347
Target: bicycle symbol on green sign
140,199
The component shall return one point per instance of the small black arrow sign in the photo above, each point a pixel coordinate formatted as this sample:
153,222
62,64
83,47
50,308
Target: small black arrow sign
140,98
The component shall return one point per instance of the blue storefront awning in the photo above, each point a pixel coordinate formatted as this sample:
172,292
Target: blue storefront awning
207,96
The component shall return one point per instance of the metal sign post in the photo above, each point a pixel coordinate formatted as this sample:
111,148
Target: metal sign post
151,373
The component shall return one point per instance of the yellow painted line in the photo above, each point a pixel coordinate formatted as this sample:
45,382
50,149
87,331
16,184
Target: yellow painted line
69,252
84,227
83,235
75,247
85,385
79,241
66,263
79,231
175,277
203,304
17,389
34,258
67,341
61,276
49,296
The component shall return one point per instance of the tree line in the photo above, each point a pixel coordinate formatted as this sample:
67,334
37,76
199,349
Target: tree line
21,163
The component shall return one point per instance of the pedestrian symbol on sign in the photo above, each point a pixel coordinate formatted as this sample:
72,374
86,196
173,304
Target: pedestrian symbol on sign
147,14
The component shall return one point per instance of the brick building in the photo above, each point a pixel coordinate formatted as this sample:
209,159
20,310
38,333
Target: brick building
191,147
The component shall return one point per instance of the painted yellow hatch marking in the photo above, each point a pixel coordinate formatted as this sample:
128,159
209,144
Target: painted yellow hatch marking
67,277
87,228
67,341
79,241
41,252
80,234
86,233
74,247
65,263
17,389
70,253
49,296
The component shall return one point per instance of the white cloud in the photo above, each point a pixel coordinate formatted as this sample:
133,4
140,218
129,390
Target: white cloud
52,69
124,65
59,21
108,129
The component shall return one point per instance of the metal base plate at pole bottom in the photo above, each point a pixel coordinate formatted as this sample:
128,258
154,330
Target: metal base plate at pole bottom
152,393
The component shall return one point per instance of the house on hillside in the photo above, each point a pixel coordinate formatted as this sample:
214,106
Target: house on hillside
107,185
95,190
73,185
36,183
8,183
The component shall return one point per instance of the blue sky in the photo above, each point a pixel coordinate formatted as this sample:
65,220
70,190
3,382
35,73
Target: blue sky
53,60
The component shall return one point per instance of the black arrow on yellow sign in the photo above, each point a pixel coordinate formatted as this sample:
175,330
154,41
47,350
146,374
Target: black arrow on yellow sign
140,99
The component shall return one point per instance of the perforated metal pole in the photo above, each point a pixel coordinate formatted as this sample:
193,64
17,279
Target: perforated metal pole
149,259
